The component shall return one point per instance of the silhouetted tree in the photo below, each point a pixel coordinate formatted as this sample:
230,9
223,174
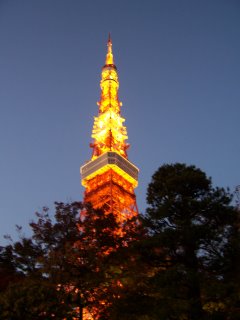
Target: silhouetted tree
8,269
31,299
190,224
76,255
179,262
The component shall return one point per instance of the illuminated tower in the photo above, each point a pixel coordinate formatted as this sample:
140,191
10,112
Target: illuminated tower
109,177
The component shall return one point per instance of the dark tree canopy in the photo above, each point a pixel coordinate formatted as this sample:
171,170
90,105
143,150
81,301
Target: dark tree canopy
179,261
73,257
190,224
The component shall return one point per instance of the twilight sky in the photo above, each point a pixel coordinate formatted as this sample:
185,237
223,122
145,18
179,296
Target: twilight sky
179,72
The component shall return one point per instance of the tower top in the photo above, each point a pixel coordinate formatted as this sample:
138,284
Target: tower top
108,132
109,177
109,56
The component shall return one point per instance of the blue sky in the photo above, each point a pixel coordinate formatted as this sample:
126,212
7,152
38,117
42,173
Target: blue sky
179,72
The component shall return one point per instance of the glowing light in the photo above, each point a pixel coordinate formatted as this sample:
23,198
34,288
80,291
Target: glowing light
108,132
109,57
109,177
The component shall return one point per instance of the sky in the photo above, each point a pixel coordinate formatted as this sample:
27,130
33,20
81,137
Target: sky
179,71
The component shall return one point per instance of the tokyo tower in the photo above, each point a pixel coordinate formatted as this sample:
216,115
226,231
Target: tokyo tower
109,177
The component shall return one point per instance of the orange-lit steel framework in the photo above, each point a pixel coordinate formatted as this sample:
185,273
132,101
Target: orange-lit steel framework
109,177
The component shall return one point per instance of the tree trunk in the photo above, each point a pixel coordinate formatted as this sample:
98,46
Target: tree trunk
194,292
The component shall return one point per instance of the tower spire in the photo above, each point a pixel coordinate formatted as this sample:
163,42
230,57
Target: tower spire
109,177
109,56
108,132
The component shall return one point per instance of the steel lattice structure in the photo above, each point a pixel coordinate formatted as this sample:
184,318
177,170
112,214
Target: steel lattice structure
109,177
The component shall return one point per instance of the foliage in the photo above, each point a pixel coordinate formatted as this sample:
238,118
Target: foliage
76,253
32,299
8,269
190,224
179,261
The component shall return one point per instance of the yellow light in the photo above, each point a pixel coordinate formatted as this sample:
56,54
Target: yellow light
116,169
109,177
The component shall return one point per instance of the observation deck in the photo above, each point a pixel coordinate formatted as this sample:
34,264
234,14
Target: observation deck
110,160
